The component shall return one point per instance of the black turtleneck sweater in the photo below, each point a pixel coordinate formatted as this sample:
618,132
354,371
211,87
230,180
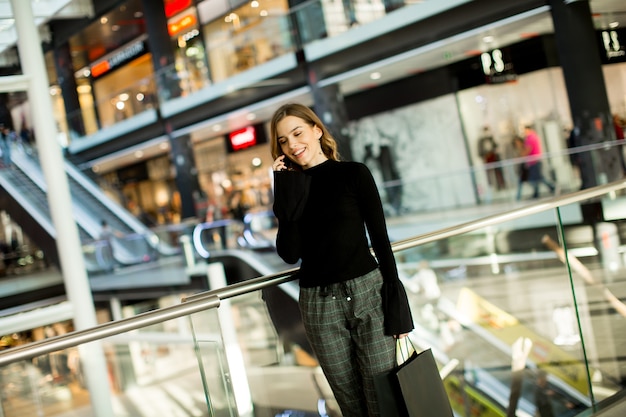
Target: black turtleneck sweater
329,234
322,216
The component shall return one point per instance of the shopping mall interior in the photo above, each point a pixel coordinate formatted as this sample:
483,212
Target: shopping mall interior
148,121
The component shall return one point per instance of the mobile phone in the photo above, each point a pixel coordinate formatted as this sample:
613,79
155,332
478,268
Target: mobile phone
288,163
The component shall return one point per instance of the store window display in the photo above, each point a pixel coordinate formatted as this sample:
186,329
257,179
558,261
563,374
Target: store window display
246,37
125,92
190,55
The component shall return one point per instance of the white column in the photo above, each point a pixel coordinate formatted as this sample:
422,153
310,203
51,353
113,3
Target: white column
60,202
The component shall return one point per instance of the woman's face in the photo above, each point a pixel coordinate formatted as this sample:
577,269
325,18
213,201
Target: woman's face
300,142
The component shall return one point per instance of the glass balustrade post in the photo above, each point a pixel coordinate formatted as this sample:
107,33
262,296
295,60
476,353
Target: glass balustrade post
234,358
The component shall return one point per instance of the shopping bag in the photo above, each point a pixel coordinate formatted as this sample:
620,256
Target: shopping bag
388,392
423,393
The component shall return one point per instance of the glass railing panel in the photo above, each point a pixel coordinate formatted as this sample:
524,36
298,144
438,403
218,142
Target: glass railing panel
98,256
222,362
147,372
171,235
595,322
493,300
482,189
133,248
215,358
268,354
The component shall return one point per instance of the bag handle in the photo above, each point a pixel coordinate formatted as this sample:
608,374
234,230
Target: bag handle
401,350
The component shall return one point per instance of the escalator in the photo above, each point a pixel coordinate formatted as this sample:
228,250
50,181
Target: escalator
25,199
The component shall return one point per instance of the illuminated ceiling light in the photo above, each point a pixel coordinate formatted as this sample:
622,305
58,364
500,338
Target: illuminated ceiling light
120,105
104,20
613,25
264,13
140,97
256,162
488,39
138,14
86,72
55,90
124,96
164,146
217,128
254,3
115,28
251,116
375,75
138,154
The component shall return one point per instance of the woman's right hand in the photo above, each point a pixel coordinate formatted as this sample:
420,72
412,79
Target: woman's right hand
279,164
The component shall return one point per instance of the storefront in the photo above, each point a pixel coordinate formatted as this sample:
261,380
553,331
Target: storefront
408,148
234,171
123,83
190,55
240,38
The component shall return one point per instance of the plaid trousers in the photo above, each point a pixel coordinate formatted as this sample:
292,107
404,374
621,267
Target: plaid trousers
344,324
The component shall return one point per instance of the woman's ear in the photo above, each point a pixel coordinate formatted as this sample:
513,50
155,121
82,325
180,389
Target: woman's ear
318,131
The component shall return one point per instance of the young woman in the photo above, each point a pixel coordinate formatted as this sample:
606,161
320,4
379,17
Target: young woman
353,305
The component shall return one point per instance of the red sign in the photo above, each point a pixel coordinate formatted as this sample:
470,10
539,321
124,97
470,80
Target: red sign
173,7
243,138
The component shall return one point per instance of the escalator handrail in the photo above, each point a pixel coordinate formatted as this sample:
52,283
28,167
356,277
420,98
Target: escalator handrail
32,171
97,193
44,220
211,299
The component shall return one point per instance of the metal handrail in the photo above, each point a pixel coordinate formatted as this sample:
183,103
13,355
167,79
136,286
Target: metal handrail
211,299
518,213
101,331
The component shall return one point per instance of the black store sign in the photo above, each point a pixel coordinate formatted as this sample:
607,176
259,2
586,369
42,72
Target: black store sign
498,66
612,45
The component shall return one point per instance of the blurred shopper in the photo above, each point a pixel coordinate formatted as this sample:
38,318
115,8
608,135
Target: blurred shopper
488,151
532,150
353,306
522,172
542,395
5,145
619,135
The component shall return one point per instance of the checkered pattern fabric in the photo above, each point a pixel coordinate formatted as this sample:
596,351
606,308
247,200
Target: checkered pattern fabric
344,324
